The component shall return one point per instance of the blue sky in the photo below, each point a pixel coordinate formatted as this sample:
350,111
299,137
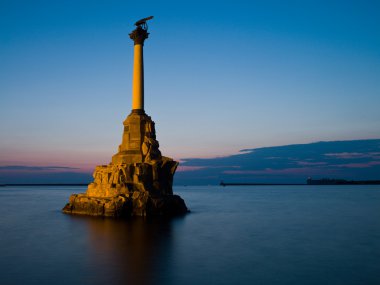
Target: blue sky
220,76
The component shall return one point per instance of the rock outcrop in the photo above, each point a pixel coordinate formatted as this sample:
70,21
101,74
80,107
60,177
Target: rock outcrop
138,181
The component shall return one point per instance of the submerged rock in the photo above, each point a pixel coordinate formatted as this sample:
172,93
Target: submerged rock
122,206
82,204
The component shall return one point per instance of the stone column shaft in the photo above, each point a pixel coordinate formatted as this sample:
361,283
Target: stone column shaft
138,36
138,78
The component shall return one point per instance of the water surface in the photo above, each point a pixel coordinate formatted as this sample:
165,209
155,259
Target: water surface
234,235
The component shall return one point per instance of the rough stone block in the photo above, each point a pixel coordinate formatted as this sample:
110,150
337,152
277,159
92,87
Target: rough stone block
138,181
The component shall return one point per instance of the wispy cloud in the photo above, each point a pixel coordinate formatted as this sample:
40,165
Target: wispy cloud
183,168
358,165
35,168
270,171
309,163
189,168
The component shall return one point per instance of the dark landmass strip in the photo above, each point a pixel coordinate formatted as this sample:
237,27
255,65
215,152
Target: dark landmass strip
46,184
258,184
328,181
324,181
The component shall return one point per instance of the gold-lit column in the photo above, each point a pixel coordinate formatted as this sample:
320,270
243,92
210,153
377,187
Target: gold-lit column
138,36
138,79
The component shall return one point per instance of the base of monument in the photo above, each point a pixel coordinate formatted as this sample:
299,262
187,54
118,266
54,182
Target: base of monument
123,206
138,181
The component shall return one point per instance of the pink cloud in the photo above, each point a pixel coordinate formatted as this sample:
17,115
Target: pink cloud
353,155
19,169
307,163
189,168
183,168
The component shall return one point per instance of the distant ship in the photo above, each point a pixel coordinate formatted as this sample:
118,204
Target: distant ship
329,181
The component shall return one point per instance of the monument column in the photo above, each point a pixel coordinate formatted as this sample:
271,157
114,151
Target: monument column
138,36
139,180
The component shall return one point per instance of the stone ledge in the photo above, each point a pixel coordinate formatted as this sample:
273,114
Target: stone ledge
138,204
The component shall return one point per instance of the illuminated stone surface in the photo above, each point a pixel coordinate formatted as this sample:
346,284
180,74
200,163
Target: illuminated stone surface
139,179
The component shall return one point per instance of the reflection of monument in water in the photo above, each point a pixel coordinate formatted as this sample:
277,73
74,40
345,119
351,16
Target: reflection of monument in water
139,179
138,252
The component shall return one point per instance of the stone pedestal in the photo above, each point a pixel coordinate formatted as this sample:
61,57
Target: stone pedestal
138,181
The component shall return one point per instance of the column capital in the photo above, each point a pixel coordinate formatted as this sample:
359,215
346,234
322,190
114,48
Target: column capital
139,35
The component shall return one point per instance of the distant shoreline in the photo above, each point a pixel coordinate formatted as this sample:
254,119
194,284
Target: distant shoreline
324,183
262,184
46,184
314,182
329,181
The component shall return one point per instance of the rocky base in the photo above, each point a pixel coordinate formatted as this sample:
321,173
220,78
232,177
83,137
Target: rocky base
122,206
137,182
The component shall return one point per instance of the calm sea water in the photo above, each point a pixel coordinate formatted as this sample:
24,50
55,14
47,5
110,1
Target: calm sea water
234,235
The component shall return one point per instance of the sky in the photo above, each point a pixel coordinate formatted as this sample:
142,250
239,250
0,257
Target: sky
220,76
